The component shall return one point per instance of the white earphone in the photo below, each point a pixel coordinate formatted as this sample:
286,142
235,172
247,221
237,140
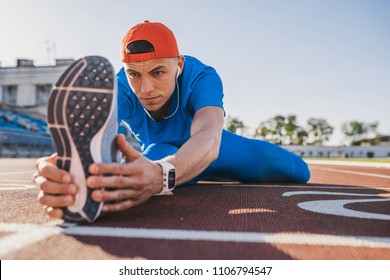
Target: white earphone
178,98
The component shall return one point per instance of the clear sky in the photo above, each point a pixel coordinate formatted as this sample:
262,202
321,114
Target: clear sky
313,58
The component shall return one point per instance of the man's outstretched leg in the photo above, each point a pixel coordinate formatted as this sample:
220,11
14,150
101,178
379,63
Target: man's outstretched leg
253,160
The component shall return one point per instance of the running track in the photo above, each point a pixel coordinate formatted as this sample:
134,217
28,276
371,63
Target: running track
343,213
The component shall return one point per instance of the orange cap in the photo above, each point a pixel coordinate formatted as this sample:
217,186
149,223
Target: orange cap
160,36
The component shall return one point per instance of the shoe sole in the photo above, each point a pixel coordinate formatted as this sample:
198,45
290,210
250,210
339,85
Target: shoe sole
80,111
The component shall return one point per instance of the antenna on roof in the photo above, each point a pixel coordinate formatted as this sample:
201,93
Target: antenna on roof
50,51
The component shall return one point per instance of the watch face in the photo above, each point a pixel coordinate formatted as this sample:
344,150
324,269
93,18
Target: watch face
171,179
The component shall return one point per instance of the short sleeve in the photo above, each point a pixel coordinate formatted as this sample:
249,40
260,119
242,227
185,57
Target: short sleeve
207,90
125,102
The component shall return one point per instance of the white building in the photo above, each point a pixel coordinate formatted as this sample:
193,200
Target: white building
340,151
26,87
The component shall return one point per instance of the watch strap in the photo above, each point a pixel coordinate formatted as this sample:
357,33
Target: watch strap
169,177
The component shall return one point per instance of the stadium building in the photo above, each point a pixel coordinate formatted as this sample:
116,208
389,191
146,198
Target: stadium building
24,92
379,151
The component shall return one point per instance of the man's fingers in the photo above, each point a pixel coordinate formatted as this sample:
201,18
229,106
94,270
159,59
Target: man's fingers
116,195
55,200
52,172
49,187
127,150
51,159
120,206
110,168
115,181
55,213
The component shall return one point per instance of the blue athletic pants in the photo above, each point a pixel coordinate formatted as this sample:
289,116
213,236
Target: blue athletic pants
245,160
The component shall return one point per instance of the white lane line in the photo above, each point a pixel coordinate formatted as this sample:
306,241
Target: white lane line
14,181
334,193
18,172
299,187
23,235
349,163
225,236
337,208
352,172
7,187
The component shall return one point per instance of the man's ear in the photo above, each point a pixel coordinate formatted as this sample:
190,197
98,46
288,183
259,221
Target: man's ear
180,65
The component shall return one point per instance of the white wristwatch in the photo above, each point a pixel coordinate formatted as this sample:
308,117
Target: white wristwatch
169,177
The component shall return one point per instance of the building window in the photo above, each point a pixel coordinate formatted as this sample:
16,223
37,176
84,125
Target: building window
42,94
9,94
370,154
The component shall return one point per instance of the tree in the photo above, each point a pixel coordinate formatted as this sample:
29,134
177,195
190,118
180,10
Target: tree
234,125
319,131
355,131
300,136
281,130
373,128
271,130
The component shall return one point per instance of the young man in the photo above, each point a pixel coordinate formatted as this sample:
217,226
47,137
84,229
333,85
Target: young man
173,105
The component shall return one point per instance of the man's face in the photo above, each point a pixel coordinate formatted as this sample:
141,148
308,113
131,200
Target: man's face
153,81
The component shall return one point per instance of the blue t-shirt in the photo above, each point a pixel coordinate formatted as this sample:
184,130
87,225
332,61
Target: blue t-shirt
199,86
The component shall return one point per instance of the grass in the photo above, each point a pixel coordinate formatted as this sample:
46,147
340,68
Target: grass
386,160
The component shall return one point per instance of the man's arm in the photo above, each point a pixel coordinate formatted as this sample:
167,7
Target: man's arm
203,146
140,178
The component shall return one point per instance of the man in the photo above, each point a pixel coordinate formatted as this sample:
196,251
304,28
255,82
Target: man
173,105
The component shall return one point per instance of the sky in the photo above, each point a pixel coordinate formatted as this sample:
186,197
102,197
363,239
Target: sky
325,59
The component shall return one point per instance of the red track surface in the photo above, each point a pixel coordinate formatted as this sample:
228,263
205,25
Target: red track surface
343,213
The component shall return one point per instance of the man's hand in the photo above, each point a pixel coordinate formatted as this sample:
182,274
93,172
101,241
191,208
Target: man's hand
123,186
129,184
56,186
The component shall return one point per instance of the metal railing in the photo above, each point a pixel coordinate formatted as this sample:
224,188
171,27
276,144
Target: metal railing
18,145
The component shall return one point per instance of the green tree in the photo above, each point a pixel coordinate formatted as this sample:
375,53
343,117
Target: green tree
290,127
355,130
300,136
271,130
319,131
235,125
281,130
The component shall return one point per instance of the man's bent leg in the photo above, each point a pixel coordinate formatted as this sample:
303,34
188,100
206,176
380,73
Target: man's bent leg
253,160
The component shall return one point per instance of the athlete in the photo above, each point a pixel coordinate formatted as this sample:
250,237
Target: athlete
173,104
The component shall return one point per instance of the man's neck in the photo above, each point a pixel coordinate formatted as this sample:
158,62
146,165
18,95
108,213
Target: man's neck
161,113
